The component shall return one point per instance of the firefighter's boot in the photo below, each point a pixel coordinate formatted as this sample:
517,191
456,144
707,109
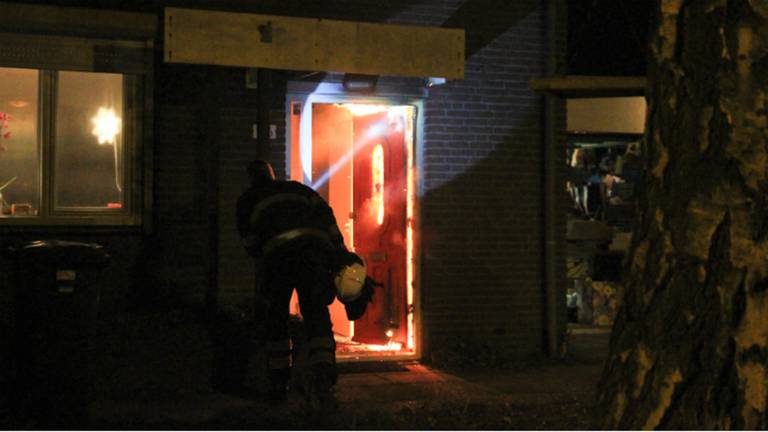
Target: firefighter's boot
319,395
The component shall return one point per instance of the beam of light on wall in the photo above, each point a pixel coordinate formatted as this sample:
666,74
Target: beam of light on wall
376,130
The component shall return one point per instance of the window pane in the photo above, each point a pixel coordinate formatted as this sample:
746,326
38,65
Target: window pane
89,165
19,150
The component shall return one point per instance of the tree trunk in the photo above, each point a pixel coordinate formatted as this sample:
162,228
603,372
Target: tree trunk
690,345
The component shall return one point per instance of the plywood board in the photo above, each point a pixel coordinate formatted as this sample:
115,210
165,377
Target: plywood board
606,115
277,42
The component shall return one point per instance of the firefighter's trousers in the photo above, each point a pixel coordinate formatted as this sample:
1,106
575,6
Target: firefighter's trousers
305,266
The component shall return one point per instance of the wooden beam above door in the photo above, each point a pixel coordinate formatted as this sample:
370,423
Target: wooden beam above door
277,42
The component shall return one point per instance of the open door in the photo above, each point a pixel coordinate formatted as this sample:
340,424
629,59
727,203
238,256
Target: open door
359,157
379,220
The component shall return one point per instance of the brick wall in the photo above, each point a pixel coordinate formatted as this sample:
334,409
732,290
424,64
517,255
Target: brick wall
482,227
204,140
239,146
179,262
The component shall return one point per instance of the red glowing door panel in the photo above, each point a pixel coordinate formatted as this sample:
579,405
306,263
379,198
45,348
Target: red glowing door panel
379,204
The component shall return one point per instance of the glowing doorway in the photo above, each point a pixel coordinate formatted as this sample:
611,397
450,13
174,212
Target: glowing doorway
360,157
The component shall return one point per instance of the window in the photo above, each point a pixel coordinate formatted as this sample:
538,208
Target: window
75,117
67,148
88,141
19,149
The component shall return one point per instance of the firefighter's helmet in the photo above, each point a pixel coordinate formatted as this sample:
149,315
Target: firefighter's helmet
260,172
350,279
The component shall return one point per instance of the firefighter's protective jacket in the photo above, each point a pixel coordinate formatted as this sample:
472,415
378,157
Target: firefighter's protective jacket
274,213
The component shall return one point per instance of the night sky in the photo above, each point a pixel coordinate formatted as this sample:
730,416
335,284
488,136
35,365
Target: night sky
608,37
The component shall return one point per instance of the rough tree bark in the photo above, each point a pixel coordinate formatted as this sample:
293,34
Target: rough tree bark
690,345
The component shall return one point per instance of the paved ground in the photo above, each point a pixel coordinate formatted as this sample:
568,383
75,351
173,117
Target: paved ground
545,397
157,375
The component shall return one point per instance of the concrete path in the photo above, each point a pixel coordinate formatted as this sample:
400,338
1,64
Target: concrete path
153,371
553,395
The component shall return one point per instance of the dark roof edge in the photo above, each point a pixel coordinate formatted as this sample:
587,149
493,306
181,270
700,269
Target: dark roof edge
582,86
73,21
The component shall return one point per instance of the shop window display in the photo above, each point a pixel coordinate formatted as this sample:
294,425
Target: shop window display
603,173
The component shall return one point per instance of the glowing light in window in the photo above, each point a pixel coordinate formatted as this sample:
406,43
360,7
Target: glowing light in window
377,178
106,126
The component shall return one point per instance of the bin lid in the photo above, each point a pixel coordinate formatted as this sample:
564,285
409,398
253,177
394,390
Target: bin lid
64,252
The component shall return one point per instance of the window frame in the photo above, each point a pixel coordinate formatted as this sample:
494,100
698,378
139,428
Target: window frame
132,59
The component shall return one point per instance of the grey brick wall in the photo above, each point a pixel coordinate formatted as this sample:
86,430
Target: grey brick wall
204,140
238,148
179,262
482,257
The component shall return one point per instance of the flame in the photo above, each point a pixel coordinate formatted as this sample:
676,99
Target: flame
390,346
377,179
410,200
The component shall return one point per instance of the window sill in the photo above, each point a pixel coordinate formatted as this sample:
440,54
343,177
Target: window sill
70,221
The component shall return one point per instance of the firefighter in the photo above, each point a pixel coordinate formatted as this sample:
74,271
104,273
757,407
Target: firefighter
292,234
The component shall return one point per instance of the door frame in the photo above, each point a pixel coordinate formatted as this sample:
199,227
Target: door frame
308,93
